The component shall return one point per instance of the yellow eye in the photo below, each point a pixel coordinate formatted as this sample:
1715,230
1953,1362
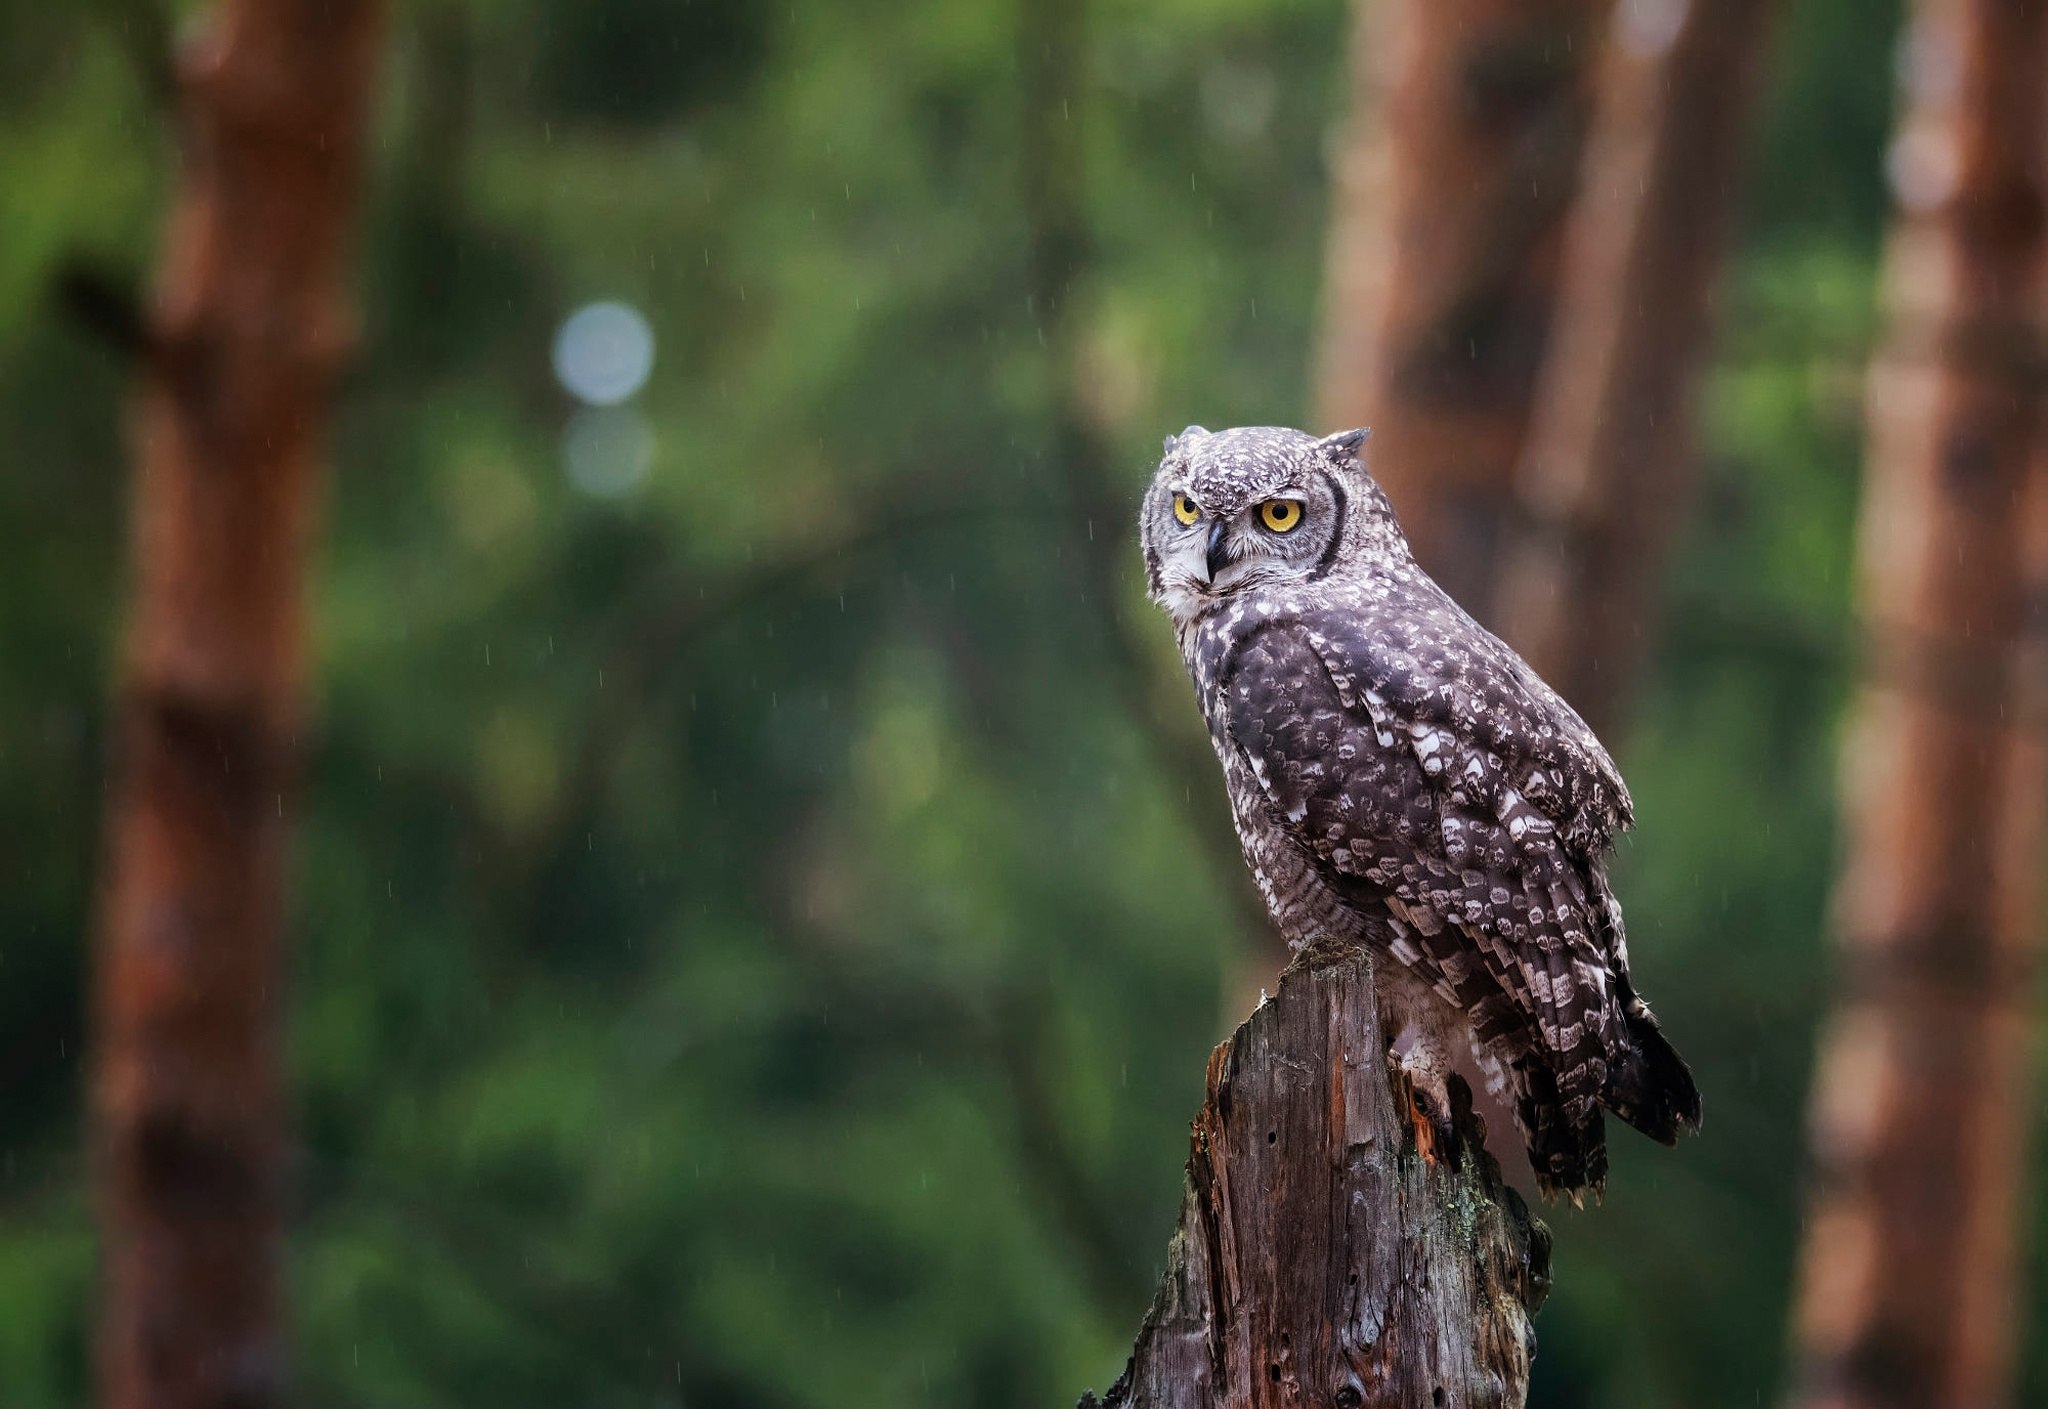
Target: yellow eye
1280,515
1184,509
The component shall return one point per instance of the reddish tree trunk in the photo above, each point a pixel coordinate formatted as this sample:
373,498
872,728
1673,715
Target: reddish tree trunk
245,337
1605,475
1921,1102
1446,237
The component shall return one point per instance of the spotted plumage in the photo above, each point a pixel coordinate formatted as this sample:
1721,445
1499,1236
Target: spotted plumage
1401,778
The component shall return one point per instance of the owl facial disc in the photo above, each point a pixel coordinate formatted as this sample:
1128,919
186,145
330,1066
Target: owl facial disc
1230,511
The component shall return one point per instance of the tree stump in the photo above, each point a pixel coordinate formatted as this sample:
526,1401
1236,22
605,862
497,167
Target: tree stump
1321,1257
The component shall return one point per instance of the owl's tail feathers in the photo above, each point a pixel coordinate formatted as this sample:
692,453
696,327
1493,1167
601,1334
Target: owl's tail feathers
1569,1156
1649,1084
1570,1159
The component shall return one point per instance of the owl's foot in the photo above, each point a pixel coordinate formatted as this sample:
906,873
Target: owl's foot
1425,1089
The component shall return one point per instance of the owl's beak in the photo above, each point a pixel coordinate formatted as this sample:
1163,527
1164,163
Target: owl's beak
1216,557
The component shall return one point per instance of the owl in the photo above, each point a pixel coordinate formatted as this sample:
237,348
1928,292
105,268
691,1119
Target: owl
1402,780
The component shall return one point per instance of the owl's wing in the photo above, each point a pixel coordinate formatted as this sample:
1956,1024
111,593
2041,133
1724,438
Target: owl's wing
1458,796
1430,664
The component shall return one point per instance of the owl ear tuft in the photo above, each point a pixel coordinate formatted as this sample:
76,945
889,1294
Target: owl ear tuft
1344,446
1173,442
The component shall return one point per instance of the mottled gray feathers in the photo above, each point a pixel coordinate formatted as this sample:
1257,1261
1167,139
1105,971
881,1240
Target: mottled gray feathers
1401,778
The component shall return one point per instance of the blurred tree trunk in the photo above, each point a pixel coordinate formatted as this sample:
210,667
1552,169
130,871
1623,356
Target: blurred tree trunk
1446,243
1606,471
1318,1259
244,340
1922,1102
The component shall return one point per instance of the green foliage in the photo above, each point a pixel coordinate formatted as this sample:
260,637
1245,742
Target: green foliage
757,940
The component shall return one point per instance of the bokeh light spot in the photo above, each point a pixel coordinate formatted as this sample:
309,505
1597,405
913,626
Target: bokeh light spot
607,450
604,352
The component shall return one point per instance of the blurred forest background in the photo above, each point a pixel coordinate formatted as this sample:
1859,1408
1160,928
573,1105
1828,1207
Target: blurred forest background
758,921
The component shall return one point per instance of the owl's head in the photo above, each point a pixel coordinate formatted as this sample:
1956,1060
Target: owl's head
1235,510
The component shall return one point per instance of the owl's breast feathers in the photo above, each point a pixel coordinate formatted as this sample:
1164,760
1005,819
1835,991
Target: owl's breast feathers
1425,770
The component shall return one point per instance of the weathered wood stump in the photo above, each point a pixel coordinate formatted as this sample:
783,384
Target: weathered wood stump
1321,1258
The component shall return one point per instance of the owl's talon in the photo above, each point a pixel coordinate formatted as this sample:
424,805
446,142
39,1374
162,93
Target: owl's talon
1436,1139
1430,1118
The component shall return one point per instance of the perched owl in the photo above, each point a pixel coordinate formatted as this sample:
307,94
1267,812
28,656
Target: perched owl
1402,779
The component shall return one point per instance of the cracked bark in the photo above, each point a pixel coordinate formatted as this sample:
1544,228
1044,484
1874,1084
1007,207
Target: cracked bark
1320,1259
